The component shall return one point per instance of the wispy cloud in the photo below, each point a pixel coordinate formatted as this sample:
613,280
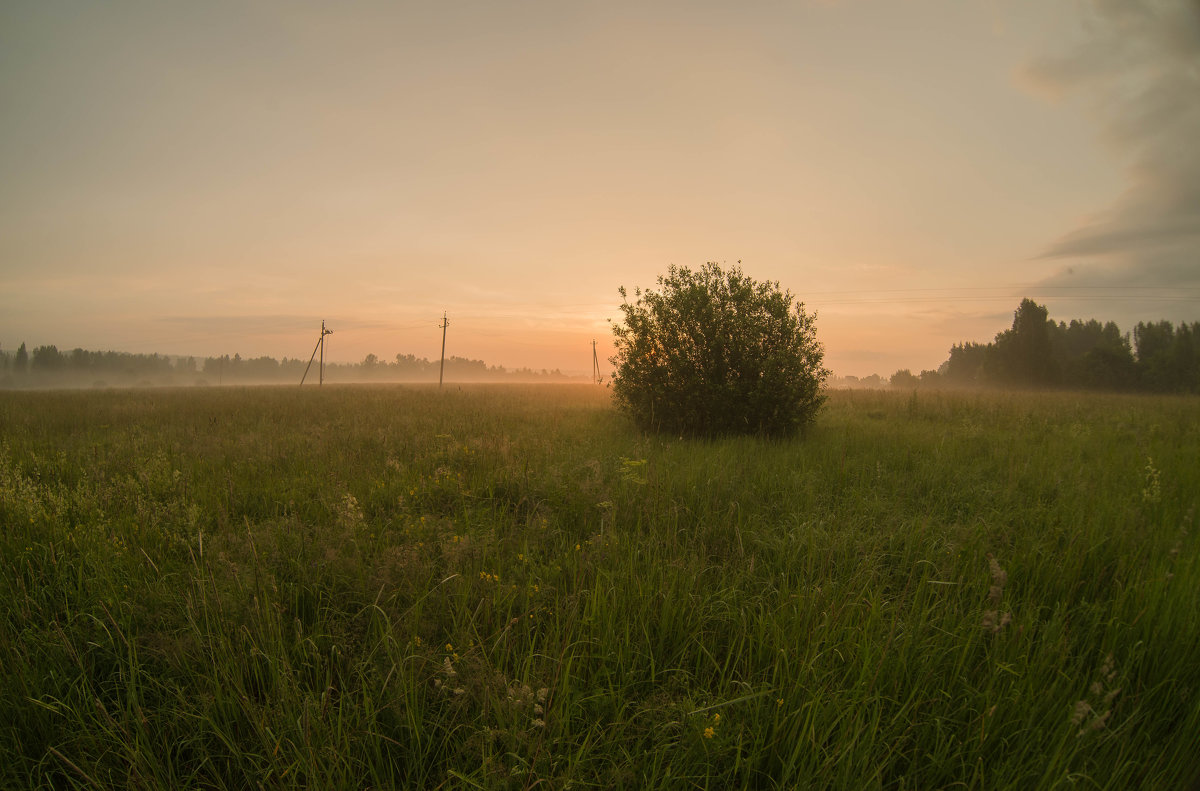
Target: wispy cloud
1136,67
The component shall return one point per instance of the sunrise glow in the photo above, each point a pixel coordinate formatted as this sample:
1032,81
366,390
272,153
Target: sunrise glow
206,179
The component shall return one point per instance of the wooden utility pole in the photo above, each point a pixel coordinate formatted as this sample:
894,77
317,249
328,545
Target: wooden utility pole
595,364
321,346
442,368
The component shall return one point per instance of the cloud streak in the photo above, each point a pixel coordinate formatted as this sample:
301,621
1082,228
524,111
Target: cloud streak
1136,67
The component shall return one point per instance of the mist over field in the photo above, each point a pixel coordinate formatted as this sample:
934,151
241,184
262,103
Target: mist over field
1037,352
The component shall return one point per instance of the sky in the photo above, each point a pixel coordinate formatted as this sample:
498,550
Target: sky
217,178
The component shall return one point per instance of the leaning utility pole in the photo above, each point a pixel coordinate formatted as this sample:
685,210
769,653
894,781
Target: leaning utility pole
320,345
595,364
442,370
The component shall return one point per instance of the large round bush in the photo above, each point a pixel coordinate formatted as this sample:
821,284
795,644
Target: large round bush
715,352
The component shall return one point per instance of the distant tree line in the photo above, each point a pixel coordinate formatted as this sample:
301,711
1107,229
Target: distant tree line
1037,352
872,382
49,367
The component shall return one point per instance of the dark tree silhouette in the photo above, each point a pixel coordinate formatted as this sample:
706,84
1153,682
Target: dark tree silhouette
1037,352
1023,354
47,358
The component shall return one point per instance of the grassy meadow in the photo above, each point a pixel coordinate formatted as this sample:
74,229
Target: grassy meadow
509,587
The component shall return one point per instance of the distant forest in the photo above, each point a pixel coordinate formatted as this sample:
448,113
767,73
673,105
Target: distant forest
1036,352
46,366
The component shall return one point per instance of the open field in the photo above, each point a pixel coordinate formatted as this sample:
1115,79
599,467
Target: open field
507,587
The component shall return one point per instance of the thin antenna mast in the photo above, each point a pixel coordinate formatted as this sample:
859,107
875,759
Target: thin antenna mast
442,369
321,346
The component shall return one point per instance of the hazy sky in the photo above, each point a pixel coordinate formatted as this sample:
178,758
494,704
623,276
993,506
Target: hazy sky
218,177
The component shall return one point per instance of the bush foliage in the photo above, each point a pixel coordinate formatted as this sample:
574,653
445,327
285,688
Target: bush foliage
715,352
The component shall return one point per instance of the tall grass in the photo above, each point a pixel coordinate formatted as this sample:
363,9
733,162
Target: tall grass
505,587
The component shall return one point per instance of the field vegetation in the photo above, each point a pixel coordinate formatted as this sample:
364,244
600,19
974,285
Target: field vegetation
511,587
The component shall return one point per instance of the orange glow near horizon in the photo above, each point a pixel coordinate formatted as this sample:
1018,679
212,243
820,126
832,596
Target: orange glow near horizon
889,165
